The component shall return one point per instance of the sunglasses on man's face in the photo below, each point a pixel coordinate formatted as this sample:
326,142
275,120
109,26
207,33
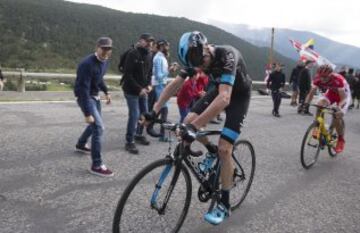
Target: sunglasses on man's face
106,48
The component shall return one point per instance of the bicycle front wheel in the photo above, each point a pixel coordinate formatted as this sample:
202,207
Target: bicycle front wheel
310,148
334,137
331,149
244,161
155,201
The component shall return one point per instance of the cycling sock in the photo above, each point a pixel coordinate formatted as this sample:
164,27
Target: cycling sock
225,198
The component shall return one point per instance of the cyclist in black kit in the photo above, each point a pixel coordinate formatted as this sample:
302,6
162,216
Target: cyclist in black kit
226,66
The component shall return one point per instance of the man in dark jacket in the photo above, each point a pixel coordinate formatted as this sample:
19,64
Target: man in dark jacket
89,81
350,79
136,86
275,83
357,89
294,82
304,88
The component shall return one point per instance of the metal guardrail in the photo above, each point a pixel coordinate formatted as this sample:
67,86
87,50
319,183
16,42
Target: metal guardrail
21,76
33,75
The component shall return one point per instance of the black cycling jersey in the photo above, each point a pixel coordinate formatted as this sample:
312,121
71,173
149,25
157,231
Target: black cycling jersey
228,67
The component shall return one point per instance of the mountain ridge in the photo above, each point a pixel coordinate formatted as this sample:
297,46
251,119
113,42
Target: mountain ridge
337,52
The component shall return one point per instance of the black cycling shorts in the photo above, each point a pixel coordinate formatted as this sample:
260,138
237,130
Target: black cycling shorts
235,112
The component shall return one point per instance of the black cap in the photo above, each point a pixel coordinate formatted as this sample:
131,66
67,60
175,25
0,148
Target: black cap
147,36
104,42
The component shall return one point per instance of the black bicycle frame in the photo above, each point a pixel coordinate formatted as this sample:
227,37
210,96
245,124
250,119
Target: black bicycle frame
211,184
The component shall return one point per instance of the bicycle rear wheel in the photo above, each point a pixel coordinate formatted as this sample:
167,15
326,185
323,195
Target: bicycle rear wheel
244,161
310,148
140,207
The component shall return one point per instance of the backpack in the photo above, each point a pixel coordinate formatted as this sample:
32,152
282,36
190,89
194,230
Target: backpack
122,60
122,63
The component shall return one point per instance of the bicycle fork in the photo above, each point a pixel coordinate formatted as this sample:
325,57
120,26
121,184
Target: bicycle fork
324,134
163,176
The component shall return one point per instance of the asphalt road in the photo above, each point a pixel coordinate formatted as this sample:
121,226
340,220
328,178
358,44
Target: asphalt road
45,186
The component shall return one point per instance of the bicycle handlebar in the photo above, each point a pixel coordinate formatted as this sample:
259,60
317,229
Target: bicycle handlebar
179,128
323,107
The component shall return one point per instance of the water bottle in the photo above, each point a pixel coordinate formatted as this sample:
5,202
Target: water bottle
207,163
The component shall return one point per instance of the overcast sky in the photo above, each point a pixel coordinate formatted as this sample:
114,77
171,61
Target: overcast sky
336,19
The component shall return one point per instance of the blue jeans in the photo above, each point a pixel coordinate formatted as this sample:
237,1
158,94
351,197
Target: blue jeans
136,105
164,110
183,113
158,90
95,130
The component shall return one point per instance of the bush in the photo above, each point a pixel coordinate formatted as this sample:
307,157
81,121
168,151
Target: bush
10,86
35,87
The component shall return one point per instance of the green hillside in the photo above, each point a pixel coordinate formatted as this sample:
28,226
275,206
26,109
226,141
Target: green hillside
53,35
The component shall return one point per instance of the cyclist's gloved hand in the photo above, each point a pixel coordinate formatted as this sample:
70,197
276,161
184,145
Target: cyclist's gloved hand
189,133
336,108
187,72
150,116
148,120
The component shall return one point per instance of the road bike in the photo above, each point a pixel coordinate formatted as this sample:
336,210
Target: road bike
318,136
158,198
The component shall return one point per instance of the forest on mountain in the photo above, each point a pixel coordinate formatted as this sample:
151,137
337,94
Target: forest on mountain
53,35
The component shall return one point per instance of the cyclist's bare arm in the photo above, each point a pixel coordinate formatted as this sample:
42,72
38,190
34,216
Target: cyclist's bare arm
168,92
311,94
215,108
342,95
342,103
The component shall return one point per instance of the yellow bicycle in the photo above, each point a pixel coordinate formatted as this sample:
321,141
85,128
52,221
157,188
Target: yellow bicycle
317,137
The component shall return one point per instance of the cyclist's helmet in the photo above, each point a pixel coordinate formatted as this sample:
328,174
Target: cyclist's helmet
324,70
190,50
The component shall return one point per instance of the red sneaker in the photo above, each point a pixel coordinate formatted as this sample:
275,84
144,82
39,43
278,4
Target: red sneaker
340,145
101,171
